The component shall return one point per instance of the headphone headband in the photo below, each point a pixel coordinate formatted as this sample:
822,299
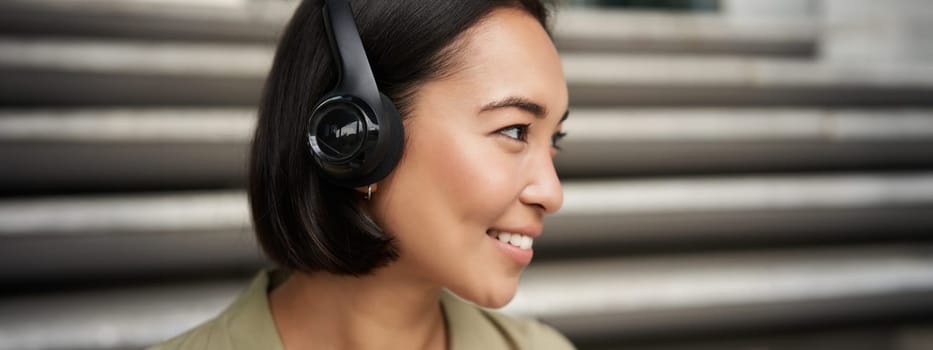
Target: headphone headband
355,75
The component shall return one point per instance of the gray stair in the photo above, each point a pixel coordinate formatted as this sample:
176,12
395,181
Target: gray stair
632,141
218,21
730,182
671,34
630,297
84,72
741,210
122,148
261,21
96,72
121,236
603,79
754,289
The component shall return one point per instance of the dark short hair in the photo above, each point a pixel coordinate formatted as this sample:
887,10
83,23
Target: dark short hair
301,221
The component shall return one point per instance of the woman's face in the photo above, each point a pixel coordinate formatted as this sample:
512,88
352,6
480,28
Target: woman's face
478,160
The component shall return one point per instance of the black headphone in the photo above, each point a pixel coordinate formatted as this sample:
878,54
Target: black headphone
355,132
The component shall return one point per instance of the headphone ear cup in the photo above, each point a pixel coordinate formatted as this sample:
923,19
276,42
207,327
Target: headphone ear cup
392,138
337,144
336,130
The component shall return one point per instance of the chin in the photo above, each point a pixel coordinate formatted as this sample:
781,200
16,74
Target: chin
498,301
493,294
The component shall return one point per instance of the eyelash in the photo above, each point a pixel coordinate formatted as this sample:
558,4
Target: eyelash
522,134
556,138
522,130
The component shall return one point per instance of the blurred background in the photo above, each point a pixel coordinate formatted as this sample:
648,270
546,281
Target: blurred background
740,174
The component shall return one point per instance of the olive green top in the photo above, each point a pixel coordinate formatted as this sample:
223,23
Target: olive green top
248,324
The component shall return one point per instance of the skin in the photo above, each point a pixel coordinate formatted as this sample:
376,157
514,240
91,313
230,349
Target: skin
465,170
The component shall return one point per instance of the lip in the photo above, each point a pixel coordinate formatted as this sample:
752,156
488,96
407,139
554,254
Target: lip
521,256
530,231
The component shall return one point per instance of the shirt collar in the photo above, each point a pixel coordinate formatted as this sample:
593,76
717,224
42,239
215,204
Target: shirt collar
250,324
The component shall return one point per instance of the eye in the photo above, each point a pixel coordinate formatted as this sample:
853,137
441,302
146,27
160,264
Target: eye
518,132
556,139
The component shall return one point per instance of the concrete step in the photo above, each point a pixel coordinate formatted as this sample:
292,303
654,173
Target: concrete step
791,193
708,212
215,21
619,299
909,335
654,297
612,80
124,149
176,148
630,141
95,72
86,72
105,237
100,237
260,22
601,30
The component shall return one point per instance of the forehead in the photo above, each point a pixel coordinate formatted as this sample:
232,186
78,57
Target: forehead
509,53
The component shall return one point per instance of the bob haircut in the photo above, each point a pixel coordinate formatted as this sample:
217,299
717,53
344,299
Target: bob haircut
303,222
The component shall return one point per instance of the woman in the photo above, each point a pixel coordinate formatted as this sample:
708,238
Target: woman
375,228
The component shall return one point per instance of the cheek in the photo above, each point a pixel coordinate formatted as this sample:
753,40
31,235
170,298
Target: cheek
476,175
450,186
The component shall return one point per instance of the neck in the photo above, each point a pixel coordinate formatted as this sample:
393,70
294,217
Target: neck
323,310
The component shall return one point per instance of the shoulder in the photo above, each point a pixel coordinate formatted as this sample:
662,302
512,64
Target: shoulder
245,324
209,335
474,327
536,335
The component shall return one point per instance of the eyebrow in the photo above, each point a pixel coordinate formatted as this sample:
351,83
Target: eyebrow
525,104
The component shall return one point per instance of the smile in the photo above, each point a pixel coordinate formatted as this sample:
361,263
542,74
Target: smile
518,240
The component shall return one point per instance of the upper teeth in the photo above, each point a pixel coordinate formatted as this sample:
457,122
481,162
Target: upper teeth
515,239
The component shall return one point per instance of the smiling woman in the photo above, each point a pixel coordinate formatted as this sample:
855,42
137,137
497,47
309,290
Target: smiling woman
401,169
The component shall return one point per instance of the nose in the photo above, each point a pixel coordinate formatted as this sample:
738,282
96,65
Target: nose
543,188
